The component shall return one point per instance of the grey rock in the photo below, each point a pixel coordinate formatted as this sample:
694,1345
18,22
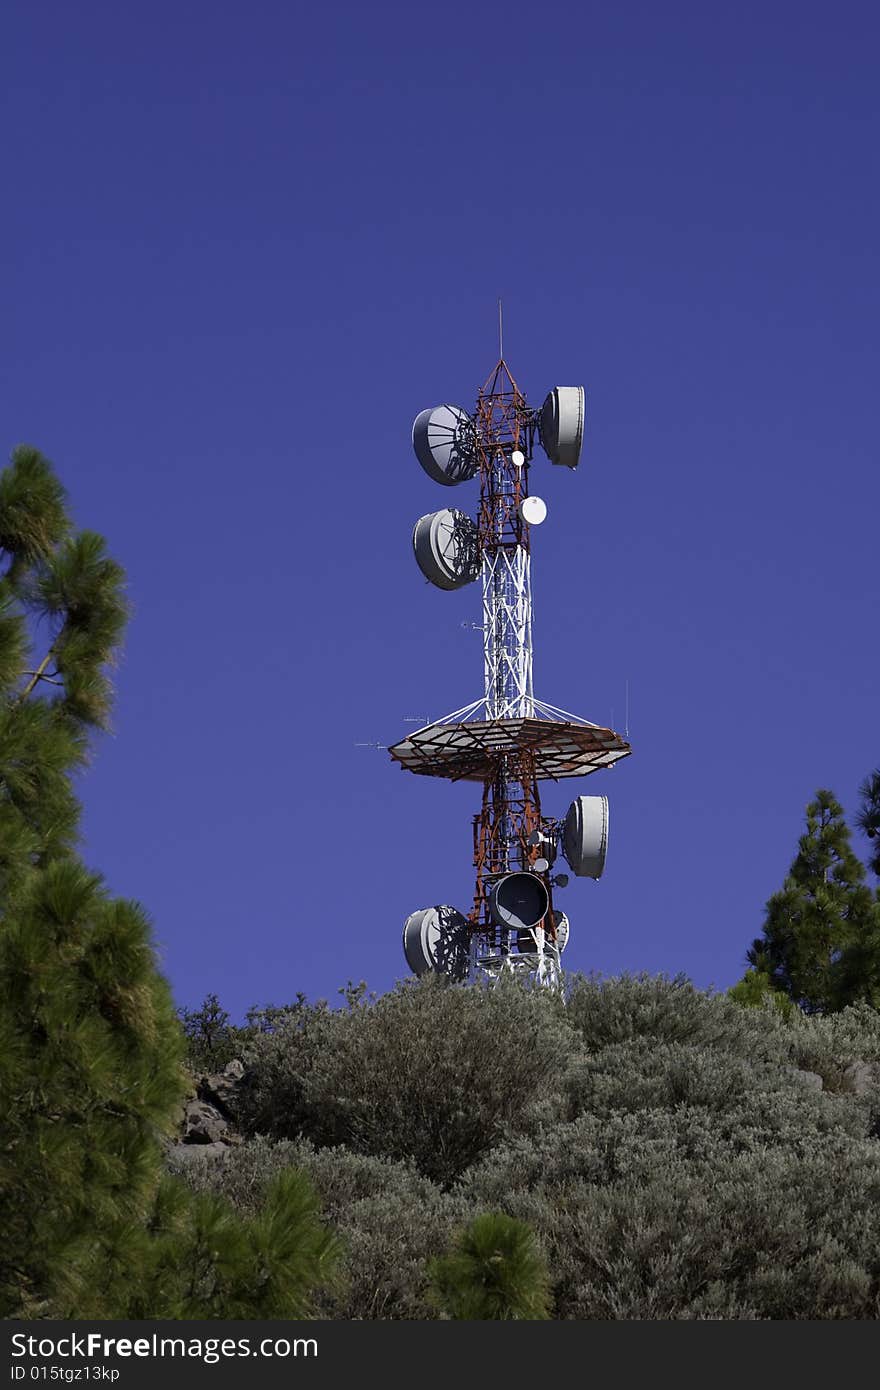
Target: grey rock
221,1088
811,1079
190,1153
203,1123
862,1077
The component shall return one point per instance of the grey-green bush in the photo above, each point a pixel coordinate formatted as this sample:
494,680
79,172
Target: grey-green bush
429,1073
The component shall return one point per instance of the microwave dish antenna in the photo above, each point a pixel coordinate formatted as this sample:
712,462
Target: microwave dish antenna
585,836
446,548
445,445
436,939
533,510
519,901
561,425
563,931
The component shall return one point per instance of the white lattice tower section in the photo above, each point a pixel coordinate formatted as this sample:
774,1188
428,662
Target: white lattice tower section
507,634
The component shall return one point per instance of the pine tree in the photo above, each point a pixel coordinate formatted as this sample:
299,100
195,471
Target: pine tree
91,1049
205,1260
821,942
868,818
494,1271
211,1040
89,1046
755,989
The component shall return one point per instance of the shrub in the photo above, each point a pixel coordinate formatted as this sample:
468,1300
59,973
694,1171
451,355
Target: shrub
429,1073
671,1011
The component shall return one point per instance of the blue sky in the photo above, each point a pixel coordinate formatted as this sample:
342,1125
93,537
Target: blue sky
243,246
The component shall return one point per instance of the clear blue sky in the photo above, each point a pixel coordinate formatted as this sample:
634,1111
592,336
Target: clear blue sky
242,246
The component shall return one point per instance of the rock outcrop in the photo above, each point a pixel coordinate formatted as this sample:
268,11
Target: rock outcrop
207,1125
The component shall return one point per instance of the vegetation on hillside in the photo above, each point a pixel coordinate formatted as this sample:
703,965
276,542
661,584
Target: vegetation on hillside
674,1154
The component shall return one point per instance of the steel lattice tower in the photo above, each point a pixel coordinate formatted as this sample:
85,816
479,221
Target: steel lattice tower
507,740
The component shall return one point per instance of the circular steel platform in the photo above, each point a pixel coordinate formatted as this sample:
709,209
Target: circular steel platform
469,751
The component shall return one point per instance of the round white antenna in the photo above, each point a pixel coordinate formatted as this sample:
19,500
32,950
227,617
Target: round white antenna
561,425
447,549
533,510
443,439
517,458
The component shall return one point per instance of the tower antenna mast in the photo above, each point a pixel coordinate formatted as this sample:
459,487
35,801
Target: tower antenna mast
508,741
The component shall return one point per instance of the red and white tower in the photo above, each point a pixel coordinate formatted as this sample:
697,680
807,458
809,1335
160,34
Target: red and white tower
508,740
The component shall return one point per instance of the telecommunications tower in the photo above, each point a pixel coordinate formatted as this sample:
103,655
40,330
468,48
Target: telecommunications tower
507,741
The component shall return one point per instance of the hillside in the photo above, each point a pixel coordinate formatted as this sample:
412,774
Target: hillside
676,1154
